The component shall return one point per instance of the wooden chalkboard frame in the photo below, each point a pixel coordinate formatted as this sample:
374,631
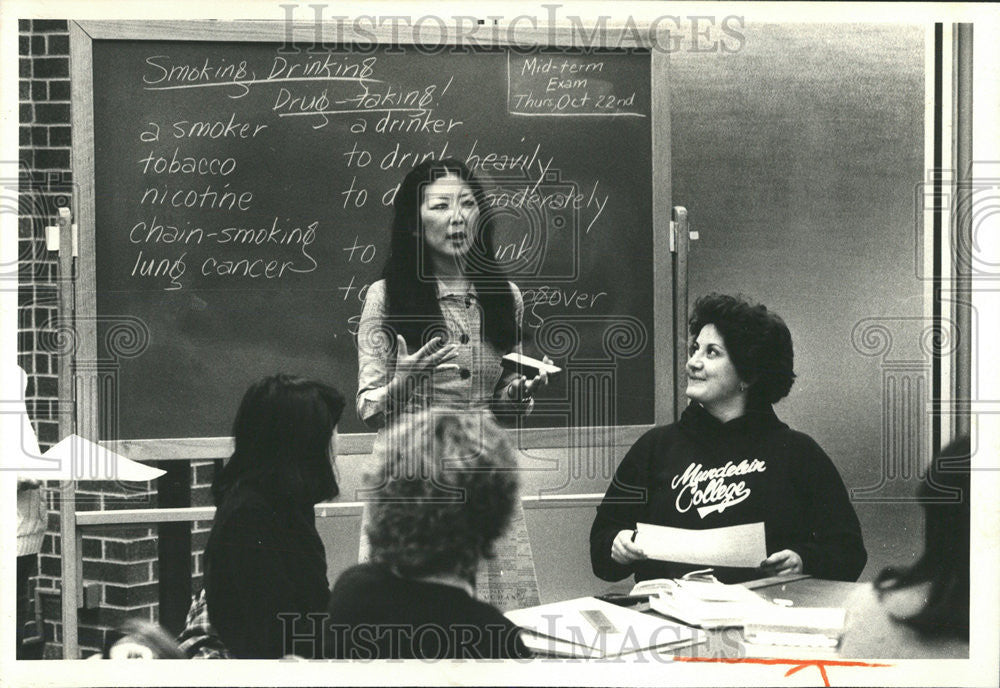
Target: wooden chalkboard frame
87,366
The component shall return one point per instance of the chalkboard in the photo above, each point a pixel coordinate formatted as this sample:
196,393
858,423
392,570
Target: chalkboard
242,197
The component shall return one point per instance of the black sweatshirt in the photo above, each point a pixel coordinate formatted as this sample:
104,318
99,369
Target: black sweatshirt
375,614
264,558
764,471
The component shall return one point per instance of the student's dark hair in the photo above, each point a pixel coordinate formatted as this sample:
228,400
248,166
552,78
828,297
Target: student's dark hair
757,340
945,560
446,491
282,440
412,306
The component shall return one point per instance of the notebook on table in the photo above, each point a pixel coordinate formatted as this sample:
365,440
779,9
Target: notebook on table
818,629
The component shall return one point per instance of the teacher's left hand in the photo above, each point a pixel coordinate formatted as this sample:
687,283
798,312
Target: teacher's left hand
523,388
783,562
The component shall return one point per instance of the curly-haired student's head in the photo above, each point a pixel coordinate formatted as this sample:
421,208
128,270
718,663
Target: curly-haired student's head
283,439
756,340
446,493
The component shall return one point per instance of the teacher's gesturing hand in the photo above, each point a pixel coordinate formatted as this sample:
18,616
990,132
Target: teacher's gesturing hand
431,358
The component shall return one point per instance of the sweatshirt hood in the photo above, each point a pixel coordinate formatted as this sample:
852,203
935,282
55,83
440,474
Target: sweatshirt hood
759,419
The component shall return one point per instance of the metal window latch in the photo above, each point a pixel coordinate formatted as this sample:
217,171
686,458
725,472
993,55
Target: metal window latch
692,236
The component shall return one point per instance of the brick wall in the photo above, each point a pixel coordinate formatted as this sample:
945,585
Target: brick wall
44,183
201,495
121,562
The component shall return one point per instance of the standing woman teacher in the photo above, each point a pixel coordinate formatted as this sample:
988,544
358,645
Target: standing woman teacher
435,327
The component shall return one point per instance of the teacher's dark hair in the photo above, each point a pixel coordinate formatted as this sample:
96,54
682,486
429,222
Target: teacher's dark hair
945,560
282,440
757,340
412,306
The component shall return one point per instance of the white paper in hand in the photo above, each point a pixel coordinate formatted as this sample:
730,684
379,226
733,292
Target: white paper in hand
742,545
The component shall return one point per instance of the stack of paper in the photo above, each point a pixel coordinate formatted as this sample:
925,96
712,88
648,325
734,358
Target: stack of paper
819,627
588,627
706,604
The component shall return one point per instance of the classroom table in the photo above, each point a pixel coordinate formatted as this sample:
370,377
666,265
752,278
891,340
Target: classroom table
805,591
801,590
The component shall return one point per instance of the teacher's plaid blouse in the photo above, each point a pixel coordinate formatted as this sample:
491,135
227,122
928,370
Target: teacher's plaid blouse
479,381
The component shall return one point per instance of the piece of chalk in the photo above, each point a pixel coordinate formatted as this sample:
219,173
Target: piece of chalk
783,602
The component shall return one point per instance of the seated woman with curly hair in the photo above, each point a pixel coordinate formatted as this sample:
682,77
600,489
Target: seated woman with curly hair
730,461
446,493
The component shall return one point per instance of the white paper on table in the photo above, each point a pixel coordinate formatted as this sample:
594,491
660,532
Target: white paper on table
742,545
630,631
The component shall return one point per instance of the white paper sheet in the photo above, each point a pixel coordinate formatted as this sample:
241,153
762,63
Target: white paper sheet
630,631
76,458
742,545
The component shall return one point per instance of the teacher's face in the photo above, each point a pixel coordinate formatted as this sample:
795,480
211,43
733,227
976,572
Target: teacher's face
712,377
449,216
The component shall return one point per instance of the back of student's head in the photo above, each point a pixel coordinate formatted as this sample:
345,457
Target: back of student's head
141,639
944,564
282,437
445,494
